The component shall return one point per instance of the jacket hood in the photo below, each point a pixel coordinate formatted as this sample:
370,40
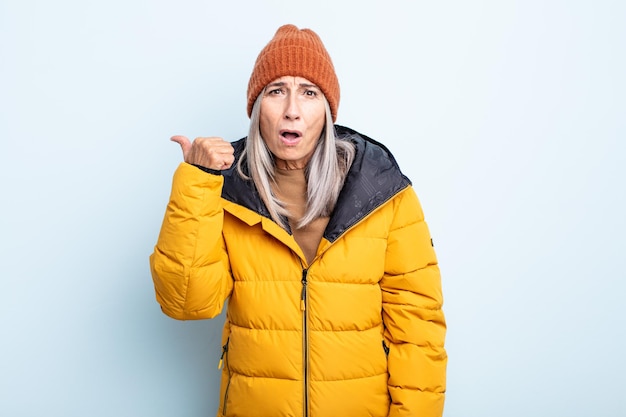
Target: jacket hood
373,178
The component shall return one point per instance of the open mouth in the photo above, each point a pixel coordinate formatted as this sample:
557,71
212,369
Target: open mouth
290,136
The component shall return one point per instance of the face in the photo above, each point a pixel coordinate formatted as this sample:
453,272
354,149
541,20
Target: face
292,118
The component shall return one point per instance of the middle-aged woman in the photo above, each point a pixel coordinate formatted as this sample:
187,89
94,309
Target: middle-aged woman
318,242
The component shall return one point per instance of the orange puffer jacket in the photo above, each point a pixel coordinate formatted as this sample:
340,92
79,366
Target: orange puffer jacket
358,332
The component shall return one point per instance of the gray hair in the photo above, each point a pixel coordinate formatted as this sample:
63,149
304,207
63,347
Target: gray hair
325,172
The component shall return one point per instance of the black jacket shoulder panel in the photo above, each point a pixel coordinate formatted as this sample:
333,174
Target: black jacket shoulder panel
239,190
373,179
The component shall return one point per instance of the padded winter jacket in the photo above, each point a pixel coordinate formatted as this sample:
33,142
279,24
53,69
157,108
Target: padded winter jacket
357,332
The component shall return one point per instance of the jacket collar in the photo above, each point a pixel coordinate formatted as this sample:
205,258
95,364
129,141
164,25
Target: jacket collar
373,179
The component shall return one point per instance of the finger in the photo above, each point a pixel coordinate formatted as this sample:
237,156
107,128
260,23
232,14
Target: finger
184,143
227,161
216,158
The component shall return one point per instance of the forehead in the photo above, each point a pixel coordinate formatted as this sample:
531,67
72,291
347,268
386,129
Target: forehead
295,81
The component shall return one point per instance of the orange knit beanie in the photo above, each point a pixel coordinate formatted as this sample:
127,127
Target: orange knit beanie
299,53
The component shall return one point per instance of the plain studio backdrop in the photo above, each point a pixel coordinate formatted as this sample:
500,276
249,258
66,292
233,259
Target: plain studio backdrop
508,116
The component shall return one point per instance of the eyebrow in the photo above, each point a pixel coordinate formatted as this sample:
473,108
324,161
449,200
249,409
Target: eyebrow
282,84
305,85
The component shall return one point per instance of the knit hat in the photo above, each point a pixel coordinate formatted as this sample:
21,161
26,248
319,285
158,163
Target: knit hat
298,53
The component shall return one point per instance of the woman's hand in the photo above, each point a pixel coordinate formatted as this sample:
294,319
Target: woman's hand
213,152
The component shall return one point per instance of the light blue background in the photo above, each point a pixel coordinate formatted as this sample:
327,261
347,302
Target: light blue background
509,117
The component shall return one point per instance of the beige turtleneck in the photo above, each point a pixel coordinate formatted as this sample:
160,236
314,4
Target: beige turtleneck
291,188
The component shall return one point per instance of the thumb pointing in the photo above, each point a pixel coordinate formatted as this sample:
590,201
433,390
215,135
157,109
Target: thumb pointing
184,143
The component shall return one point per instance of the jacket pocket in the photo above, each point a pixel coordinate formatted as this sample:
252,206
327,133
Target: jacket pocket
224,362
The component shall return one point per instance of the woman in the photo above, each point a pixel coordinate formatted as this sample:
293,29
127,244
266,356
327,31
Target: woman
319,244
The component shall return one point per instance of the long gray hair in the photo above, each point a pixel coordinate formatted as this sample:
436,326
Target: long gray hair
325,172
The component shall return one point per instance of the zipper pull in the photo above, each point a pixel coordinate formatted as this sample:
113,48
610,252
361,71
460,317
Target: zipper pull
224,350
303,294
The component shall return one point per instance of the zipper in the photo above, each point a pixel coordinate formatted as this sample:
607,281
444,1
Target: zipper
385,348
224,358
305,341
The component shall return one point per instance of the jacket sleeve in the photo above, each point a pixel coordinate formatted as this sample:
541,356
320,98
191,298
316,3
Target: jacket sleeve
189,265
415,326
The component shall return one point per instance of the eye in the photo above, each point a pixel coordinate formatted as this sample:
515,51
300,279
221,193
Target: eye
311,93
275,91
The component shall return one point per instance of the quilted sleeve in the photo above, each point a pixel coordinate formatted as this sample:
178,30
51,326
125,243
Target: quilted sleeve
414,322
189,265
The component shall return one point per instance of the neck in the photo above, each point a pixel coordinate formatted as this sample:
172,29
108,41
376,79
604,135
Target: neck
289,165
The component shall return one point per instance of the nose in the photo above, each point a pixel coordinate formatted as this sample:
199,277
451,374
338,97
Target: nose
292,109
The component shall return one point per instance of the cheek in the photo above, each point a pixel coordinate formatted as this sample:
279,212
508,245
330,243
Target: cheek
265,124
267,115
321,112
320,119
